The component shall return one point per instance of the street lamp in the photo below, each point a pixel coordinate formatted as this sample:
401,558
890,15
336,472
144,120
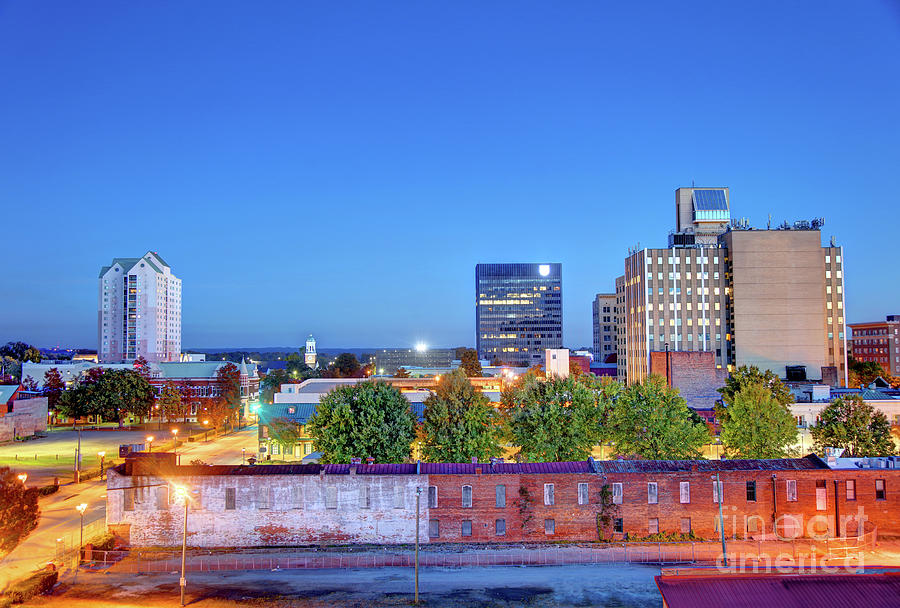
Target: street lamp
182,493
81,509
175,437
102,456
205,431
22,477
242,455
150,442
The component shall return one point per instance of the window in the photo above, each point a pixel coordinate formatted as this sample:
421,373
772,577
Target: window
617,525
229,499
880,493
617,493
549,498
467,497
751,491
685,525
685,492
434,528
364,498
549,526
851,489
432,497
583,498
331,497
653,525
652,493
500,527
718,491
196,500
398,497
263,502
466,527
500,496
297,497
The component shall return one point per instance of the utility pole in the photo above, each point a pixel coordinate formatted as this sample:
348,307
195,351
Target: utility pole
183,582
719,491
78,459
418,496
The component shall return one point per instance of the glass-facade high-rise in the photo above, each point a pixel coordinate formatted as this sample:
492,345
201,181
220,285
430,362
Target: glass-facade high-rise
518,311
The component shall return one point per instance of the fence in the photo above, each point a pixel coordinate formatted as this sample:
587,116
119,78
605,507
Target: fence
662,553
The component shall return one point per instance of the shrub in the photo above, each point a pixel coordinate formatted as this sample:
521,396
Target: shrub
38,583
48,490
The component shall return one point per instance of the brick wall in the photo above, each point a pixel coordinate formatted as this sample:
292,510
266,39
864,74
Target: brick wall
28,416
694,374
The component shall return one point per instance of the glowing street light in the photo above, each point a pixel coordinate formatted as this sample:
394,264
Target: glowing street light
421,347
181,492
175,437
150,443
102,456
81,509
22,477
206,431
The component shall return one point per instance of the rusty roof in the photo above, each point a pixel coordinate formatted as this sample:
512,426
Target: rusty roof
783,591
677,466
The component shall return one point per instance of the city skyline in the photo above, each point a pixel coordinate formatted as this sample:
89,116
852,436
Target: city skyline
288,207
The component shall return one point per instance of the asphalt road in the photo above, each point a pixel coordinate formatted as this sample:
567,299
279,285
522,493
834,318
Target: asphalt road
60,520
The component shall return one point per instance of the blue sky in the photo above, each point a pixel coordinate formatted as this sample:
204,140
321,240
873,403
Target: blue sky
340,168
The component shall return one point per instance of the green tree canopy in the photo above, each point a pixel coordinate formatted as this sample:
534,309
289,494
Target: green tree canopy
852,424
863,373
20,351
345,365
470,363
557,419
747,375
271,384
650,419
170,402
228,378
758,426
19,511
285,433
459,423
366,419
112,395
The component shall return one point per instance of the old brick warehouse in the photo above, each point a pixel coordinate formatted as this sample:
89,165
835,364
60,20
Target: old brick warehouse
288,505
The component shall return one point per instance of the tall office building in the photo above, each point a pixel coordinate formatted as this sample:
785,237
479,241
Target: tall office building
518,311
604,326
878,341
138,311
771,298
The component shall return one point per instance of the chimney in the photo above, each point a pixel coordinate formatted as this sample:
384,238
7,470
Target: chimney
370,460
352,470
474,460
478,470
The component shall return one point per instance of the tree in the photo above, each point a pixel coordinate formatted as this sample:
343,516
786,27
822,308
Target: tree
53,386
758,426
19,510
171,403
285,433
470,363
401,373
863,373
22,352
558,418
76,402
747,375
10,370
271,384
651,420
851,424
228,378
29,384
459,423
122,392
575,369
216,410
366,419
346,366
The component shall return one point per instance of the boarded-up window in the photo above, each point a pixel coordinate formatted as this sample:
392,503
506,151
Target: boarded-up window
500,496
684,492
229,499
549,494
162,498
653,525
467,497
262,501
718,491
851,489
297,497
364,498
685,525
434,528
398,497
821,496
652,493
751,491
331,497
617,493
128,498
500,527
791,490
880,491
196,500
466,529
432,497
549,526
583,497
618,526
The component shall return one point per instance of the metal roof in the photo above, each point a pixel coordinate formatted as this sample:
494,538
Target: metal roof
783,591
197,369
674,466
710,200
7,391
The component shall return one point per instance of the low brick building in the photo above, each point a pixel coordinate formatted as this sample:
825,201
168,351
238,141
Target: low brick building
286,505
693,373
21,413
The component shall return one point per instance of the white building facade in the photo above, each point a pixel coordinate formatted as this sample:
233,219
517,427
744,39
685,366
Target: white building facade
138,311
